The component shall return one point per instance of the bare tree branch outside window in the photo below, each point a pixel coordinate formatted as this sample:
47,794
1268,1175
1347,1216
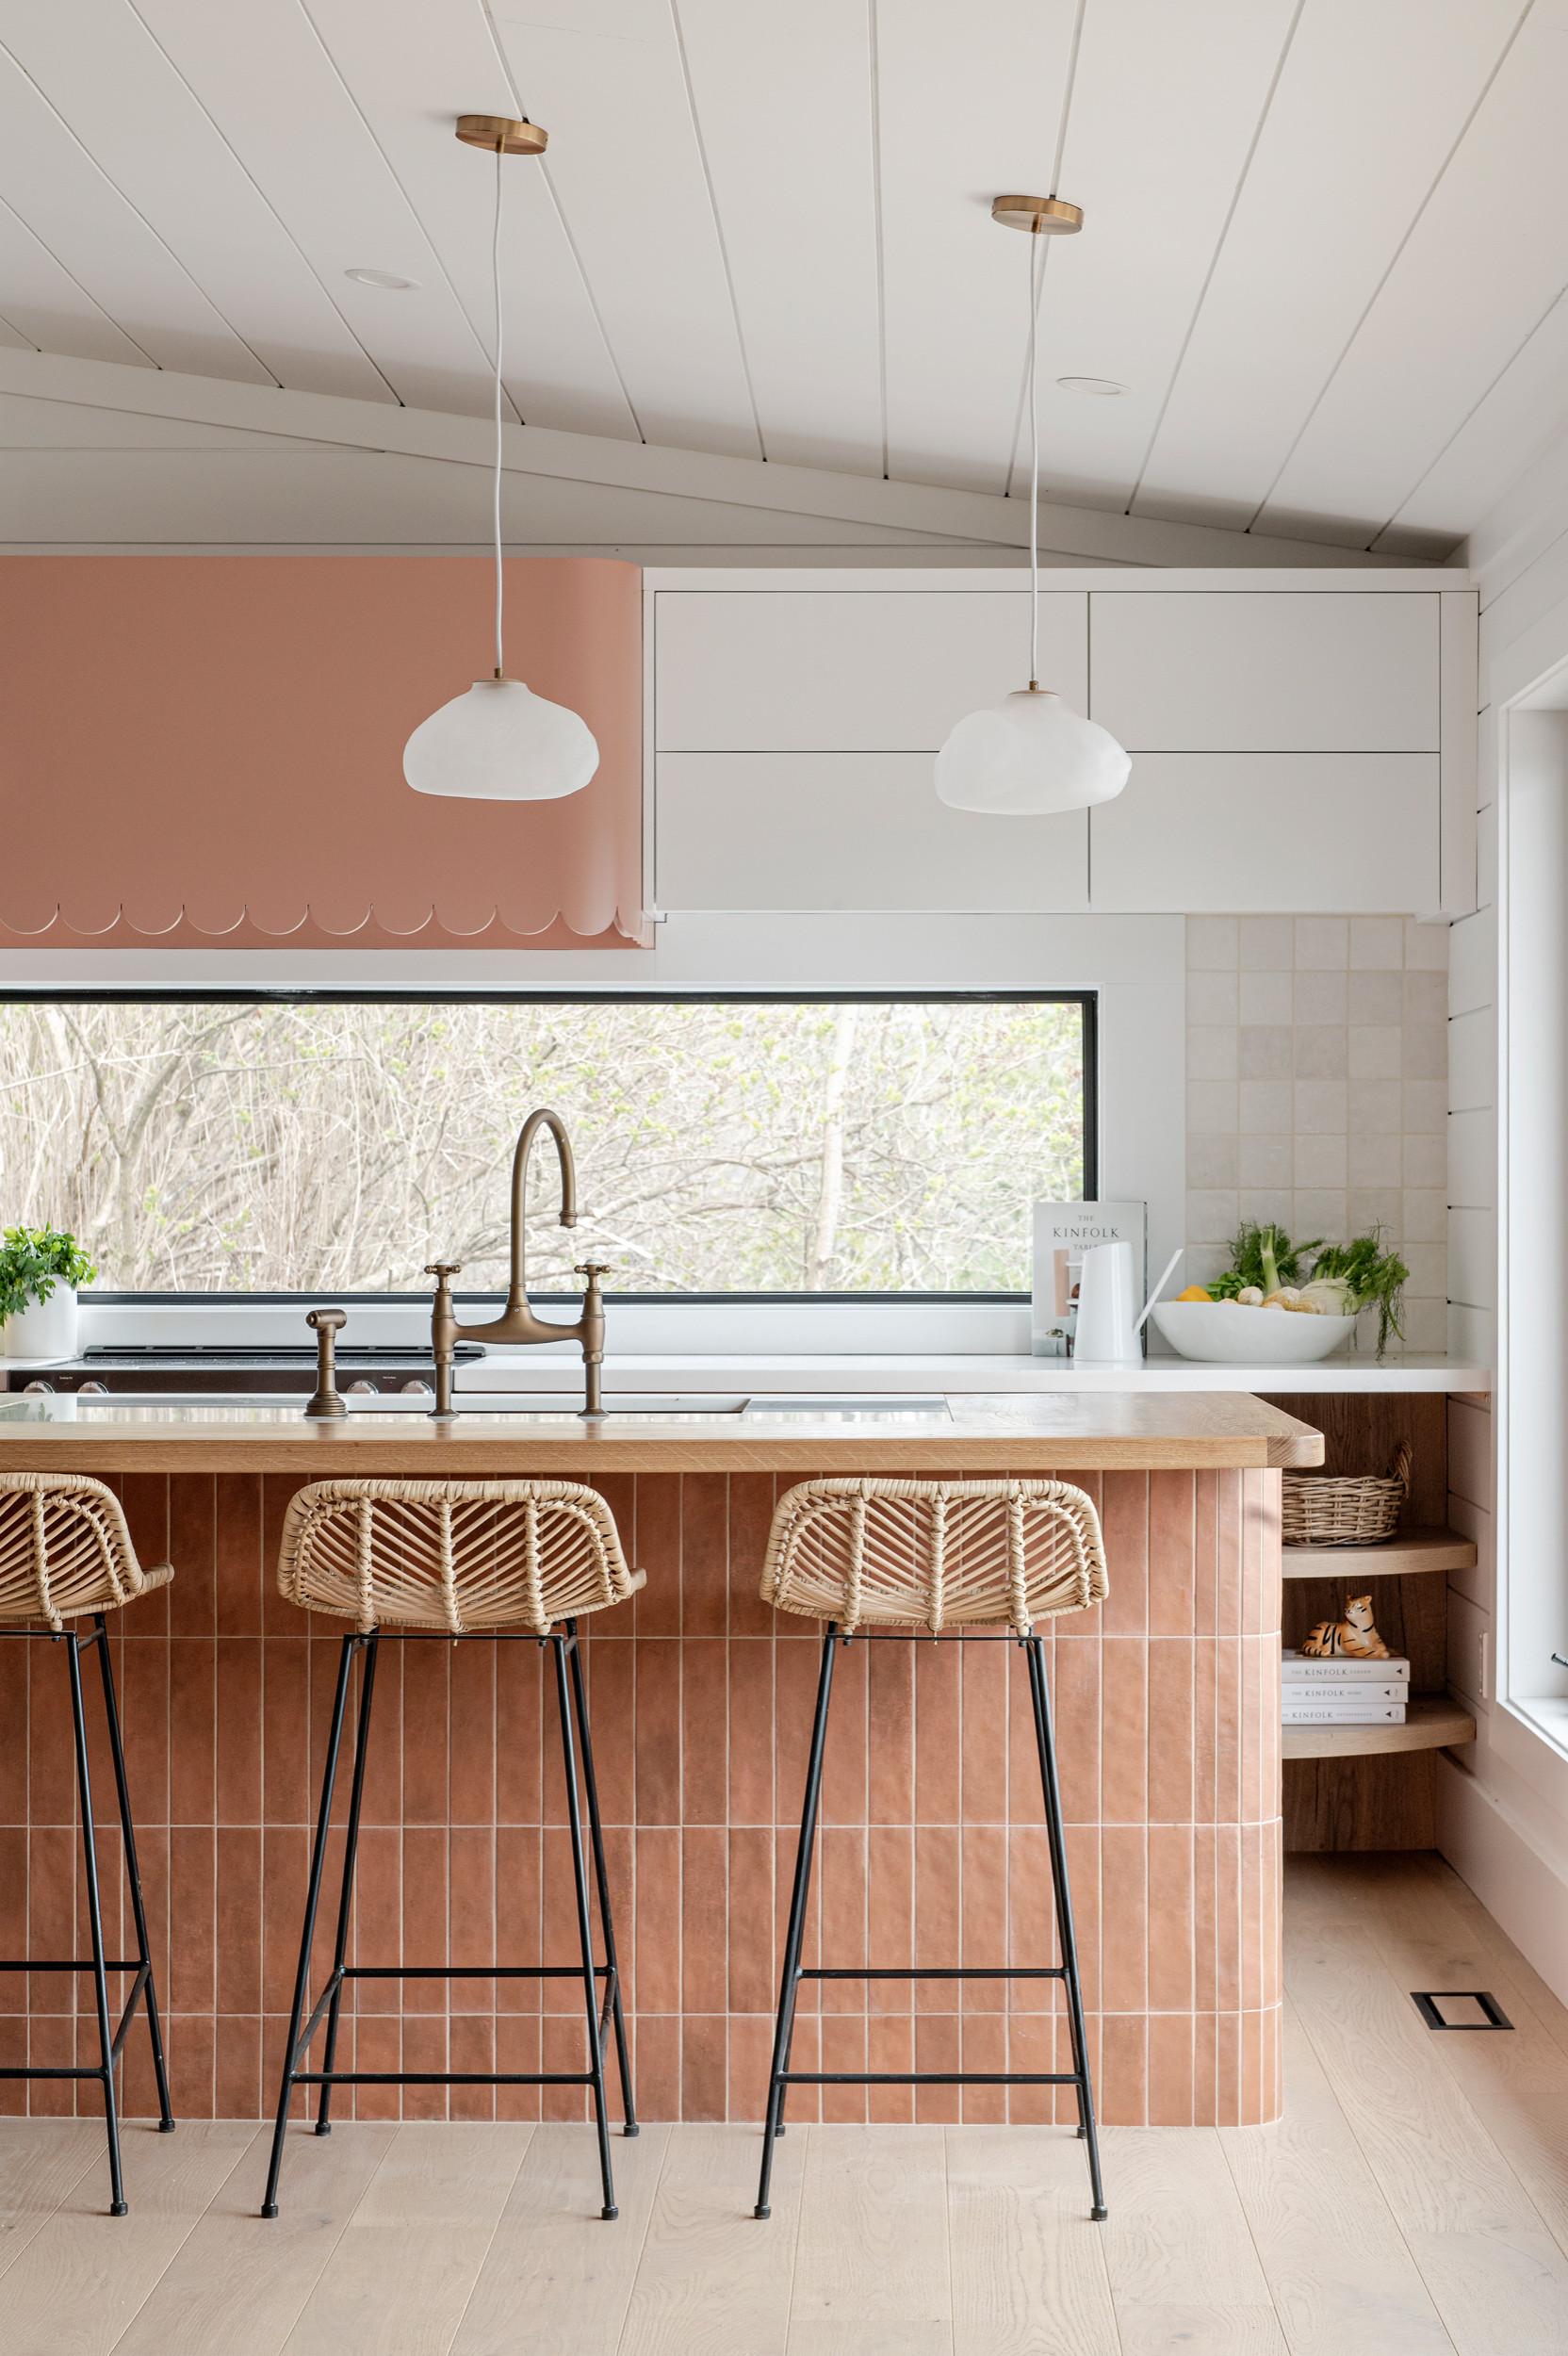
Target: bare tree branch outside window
722,1147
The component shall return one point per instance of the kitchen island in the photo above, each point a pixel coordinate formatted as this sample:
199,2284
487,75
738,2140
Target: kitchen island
1168,1712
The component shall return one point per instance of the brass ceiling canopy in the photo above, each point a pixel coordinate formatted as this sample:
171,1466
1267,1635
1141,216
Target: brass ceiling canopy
506,133
1041,216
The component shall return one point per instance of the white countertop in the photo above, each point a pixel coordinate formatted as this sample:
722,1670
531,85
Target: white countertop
541,1370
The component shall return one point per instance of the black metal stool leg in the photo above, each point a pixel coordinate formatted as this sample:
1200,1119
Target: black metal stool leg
313,1893
133,1875
595,1833
560,1646
95,1924
790,1983
1055,1839
351,1851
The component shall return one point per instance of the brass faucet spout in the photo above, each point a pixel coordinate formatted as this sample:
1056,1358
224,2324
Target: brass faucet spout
516,1295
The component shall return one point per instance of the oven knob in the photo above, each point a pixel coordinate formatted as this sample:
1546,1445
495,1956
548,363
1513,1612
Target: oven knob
101,1389
418,1389
362,1389
32,1389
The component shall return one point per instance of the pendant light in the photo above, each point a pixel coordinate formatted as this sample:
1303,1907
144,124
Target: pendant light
1031,755
500,742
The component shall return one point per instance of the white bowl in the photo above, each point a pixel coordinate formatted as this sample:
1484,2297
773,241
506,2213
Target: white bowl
1225,1333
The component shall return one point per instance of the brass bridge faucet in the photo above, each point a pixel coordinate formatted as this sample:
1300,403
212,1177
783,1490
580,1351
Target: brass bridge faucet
517,1322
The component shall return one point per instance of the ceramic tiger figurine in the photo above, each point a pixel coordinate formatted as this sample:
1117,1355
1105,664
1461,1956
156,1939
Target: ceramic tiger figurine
1354,1637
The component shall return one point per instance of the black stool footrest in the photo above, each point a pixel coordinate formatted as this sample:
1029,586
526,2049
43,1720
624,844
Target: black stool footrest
934,1971
927,2078
439,2077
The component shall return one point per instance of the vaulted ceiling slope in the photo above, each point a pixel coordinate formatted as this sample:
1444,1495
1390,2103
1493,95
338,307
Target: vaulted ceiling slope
1326,251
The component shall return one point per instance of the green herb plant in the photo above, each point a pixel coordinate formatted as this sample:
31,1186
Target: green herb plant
1264,1256
1375,1278
33,1260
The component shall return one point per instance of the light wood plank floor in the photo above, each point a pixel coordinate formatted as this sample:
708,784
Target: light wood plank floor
1414,2203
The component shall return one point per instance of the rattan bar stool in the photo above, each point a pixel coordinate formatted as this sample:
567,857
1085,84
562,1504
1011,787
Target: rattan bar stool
66,1554
924,1558
435,1561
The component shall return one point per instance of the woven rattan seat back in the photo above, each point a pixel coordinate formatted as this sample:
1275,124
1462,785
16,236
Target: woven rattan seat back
65,1550
934,1554
459,1555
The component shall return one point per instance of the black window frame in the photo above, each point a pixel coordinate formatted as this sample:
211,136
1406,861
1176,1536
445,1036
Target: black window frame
1087,1002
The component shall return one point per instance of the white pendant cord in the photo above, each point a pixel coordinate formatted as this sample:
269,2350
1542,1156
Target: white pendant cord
1036,280
495,287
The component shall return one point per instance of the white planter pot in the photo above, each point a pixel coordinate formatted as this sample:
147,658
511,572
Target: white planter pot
44,1329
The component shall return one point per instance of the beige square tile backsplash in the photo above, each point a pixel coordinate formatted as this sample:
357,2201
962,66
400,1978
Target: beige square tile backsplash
1318,1063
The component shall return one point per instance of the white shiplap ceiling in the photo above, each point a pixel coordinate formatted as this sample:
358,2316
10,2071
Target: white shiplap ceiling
1326,249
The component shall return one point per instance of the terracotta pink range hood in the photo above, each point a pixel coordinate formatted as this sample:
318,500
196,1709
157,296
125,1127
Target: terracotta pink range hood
208,751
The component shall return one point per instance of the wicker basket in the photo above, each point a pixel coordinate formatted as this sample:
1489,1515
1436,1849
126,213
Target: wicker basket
1346,1510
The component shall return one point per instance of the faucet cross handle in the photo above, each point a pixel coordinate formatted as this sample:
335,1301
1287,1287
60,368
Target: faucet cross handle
443,1267
592,1267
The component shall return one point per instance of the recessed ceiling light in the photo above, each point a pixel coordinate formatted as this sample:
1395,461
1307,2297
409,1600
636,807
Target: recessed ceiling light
1105,386
384,278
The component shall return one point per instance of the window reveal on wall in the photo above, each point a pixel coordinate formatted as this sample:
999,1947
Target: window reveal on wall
748,1145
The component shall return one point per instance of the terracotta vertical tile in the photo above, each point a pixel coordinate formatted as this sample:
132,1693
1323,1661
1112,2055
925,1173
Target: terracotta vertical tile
1271,1963
843,1773
658,1737
471,1909
844,2047
239,1923
658,1604
841,1871
611,1671
378,2044
472,2046
190,2046
1258,1680
1228,1903
937,1733
284,1864
1125,1766
937,1911
13,1915
658,1921
143,1697
751,1731
891,2045
751,1505
237,2065
51,1761
1206,1924
1031,2045
656,2063
704,1554
13,2055
1077,1702
1228,1587
1205,2067
798,1663
382,1801
704,2066
752,1986
1124,1519
52,1868
785,1847
286,1797
51,2045
278,1615
473,1669
13,1721
1171,1918
750,2059
1172,1736
1172,1510
1252,2108
426,1732
519,1733
704,1911
1122,2087
518,1916
705,1730
890,1721
937,2046
376,1932
1205,1546
1170,2068
424,1929
1227,1730
1253,1870
193,1550
890,1915
518,2049
425,2047
983,1746
804,2104
1031,1926
984,2046
240,1566
1124,1931
983,1910
1204,1728
239,1711
193,1732
145,1499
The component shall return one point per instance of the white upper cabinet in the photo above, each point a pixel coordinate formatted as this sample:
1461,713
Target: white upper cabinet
850,830
1351,833
852,670
1230,671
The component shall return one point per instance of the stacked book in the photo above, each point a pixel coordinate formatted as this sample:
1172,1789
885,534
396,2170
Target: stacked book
1345,1693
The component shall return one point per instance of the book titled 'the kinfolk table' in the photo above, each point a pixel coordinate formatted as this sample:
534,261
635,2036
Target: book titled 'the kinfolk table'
1343,1693
1063,1232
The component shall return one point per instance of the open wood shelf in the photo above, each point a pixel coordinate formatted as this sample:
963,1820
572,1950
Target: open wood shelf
1410,1550
1431,1723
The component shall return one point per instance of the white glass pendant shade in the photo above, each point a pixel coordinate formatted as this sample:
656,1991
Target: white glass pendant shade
1030,756
501,742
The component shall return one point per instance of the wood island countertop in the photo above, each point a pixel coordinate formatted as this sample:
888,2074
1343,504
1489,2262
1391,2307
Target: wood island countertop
977,1433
